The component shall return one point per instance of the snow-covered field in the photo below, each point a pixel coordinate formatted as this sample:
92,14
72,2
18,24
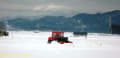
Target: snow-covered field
28,44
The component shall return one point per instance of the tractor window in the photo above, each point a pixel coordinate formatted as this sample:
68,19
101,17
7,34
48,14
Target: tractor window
61,34
54,34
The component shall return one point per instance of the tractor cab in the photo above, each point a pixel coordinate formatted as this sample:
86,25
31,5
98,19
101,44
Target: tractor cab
59,37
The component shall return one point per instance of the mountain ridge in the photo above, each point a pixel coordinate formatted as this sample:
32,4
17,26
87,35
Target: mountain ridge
98,22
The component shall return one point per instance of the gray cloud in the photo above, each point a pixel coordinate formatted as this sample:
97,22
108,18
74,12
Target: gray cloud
55,7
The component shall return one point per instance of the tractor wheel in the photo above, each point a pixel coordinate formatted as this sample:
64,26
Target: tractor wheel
5,33
65,39
49,41
58,39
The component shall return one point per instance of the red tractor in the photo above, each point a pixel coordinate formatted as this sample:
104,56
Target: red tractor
59,37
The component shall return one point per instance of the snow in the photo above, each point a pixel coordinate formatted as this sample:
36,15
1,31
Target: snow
30,44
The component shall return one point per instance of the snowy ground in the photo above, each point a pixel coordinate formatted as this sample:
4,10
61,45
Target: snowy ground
28,44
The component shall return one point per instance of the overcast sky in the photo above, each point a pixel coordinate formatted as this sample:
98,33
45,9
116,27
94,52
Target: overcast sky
55,7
